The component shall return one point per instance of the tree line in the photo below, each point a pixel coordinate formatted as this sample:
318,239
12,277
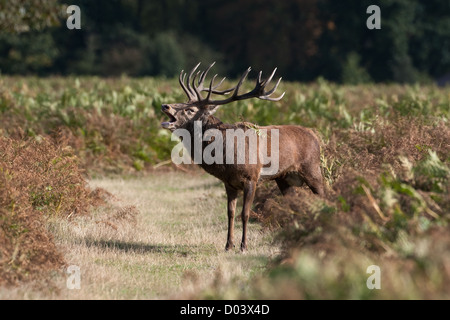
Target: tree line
305,39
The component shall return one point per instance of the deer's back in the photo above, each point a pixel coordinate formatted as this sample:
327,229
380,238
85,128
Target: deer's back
299,149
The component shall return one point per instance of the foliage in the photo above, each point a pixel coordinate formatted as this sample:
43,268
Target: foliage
25,15
112,125
352,72
27,53
305,39
38,181
385,157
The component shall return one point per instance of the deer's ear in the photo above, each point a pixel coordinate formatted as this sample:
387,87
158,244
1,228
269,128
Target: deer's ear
212,109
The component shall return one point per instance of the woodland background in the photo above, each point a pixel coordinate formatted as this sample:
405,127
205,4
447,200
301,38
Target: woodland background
305,39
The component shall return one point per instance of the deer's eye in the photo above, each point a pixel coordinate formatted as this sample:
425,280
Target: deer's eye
189,110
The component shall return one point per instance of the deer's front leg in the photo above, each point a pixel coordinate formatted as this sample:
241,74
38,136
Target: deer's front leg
249,195
232,199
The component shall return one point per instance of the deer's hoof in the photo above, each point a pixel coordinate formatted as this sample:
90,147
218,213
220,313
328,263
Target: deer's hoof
229,246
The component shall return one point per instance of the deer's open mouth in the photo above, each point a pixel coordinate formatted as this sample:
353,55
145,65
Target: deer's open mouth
172,119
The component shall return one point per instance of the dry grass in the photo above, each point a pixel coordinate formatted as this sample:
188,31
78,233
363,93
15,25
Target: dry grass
388,204
386,163
164,238
38,180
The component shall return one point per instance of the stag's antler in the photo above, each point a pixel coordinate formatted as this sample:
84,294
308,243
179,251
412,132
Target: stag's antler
194,91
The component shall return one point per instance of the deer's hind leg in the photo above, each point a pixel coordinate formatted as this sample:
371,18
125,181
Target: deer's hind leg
284,186
287,183
314,180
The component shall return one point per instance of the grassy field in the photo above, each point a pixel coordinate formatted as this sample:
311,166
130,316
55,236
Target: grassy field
164,239
85,179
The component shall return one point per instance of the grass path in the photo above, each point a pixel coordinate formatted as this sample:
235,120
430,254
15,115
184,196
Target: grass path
172,248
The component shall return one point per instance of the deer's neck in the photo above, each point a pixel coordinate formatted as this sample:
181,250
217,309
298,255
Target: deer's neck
217,152
210,123
197,145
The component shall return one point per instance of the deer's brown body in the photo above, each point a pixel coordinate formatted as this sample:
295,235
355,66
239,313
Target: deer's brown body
298,151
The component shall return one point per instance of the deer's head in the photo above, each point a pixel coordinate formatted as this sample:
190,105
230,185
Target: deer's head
181,114
199,108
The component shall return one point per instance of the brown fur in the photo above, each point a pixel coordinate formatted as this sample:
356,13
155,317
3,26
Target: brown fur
298,154
299,162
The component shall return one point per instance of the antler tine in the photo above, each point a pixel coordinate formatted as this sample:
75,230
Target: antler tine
270,92
195,77
201,81
181,79
261,85
194,91
234,89
211,87
203,76
241,81
274,99
197,92
267,81
257,92
220,83
188,82
267,97
223,92
259,77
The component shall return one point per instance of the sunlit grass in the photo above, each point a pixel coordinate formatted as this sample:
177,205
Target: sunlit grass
385,158
174,247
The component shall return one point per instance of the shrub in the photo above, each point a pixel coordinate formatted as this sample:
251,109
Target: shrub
38,180
388,204
352,72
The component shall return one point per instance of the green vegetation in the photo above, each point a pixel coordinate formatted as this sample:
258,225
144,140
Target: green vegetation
114,125
304,39
385,158
385,148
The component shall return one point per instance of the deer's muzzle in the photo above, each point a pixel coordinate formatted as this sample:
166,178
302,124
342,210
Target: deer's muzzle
168,111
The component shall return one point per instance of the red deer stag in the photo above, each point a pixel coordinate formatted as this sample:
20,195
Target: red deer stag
298,152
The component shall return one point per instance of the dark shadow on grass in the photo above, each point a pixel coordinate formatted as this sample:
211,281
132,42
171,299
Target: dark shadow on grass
142,248
204,185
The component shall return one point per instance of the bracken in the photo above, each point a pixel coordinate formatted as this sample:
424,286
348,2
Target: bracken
38,180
